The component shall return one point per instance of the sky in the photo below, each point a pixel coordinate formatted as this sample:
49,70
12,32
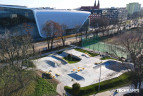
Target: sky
69,4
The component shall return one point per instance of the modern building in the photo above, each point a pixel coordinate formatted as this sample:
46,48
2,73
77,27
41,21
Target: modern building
141,12
22,19
133,7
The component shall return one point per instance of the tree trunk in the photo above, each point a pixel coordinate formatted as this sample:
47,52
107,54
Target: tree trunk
52,42
48,43
140,82
86,34
33,49
63,41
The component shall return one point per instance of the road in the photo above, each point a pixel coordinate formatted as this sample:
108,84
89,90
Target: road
41,45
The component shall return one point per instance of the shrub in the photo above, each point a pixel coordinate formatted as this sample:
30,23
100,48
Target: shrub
46,76
70,59
28,64
60,52
107,57
76,89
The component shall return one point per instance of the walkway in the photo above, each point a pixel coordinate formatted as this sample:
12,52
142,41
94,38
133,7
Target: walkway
60,89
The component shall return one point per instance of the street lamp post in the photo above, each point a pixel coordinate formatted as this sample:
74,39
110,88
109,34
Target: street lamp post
99,76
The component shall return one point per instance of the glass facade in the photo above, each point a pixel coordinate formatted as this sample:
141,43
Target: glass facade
19,21
22,20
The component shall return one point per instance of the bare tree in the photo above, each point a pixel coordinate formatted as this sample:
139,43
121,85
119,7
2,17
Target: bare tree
132,42
100,23
51,30
14,52
63,33
114,23
76,30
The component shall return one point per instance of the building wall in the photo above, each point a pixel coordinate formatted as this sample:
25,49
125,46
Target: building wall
19,20
133,7
141,12
122,14
119,14
95,14
69,18
110,13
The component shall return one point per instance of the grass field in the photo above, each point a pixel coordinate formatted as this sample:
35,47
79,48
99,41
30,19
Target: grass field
33,85
86,52
39,87
44,87
106,58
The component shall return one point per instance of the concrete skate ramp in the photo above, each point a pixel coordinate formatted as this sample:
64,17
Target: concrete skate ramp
115,66
52,64
59,59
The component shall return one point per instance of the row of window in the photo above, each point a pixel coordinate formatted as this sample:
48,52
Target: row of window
14,19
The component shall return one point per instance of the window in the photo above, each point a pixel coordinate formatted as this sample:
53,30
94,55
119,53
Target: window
26,14
13,15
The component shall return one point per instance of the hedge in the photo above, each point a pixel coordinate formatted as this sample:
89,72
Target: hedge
105,85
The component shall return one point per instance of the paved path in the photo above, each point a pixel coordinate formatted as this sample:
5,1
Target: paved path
106,93
114,93
60,89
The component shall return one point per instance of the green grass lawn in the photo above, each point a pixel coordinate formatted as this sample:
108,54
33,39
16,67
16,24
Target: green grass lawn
44,87
86,52
33,84
71,59
38,87
106,58
71,62
122,80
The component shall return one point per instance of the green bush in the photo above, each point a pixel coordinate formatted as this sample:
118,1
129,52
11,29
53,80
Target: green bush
60,52
75,89
70,59
28,64
107,57
46,76
124,79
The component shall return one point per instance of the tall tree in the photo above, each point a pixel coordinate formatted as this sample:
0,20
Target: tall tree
14,51
132,42
100,23
63,33
76,31
51,30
